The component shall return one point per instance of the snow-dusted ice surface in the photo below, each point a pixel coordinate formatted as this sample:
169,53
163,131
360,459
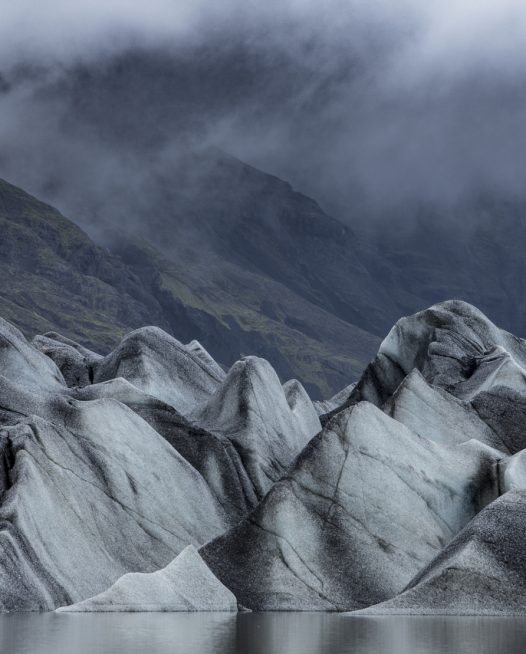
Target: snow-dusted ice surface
336,401
163,367
367,505
435,414
80,505
302,407
251,409
185,584
76,363
481,572
24,364
454,346
151,479
102,478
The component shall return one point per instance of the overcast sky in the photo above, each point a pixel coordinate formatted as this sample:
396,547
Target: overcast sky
364,102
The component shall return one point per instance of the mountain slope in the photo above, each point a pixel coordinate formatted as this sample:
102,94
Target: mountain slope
55,278
230,222
472,251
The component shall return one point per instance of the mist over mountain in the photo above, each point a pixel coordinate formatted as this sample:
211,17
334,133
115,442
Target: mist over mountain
269,175
373,109
212,273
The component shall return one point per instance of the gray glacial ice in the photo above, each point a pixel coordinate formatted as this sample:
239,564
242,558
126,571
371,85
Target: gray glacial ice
251,409
435,414
326,406
481,572
21,362
76,363
161,366
454,346
367,504
185,584
81,506
151,479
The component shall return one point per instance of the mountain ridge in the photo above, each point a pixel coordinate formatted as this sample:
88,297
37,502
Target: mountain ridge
57,279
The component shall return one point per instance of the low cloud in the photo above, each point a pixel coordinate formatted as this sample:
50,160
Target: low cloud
364,105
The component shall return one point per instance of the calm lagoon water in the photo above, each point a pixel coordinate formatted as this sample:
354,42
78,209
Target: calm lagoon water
270,633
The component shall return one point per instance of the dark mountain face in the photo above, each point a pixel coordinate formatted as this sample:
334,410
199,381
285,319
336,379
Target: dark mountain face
55,277
208,247
218,250
280,275
198,274
214,211
473,252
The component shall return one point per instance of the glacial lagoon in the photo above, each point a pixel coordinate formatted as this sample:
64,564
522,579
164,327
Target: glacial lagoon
257,633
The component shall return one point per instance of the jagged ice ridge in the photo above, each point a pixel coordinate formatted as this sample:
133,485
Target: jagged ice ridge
150,479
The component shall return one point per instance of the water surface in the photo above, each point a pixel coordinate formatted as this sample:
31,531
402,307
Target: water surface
263,633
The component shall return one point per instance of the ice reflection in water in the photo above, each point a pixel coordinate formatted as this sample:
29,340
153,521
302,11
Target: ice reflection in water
270,633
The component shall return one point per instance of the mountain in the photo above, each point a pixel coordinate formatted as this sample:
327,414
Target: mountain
225,253
54,277
470,251
152,480
175,271
209,248
210,209
243,250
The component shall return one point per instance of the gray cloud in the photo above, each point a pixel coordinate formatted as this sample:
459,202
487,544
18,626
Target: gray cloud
364,105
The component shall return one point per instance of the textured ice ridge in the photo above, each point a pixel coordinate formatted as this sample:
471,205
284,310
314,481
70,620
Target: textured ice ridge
150,479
